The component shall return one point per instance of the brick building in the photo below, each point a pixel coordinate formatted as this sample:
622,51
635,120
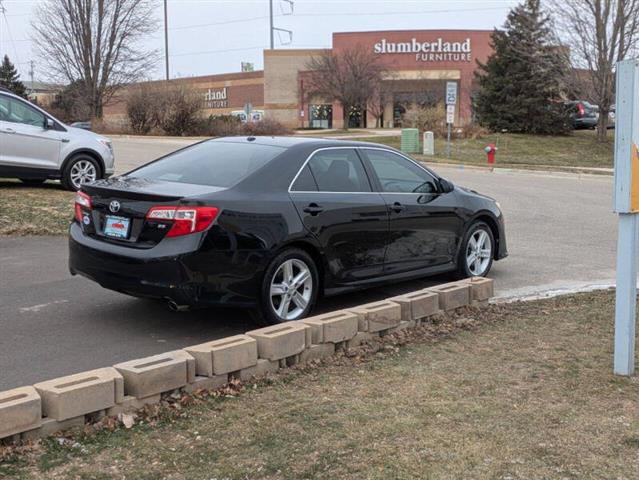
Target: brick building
419,63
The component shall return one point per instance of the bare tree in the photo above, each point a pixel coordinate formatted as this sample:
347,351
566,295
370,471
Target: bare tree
352,77
96,42
600,33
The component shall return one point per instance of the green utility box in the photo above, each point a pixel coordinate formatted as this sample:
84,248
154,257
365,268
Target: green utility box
410,140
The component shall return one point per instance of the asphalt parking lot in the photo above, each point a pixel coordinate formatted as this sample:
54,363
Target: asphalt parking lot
561,235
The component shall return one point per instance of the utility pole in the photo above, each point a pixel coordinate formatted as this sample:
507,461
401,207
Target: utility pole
166,39
272,27
31,71
270,12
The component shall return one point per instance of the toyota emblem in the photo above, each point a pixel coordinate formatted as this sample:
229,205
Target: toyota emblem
114,206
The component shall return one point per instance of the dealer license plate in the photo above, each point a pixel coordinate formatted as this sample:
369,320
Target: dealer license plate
117,227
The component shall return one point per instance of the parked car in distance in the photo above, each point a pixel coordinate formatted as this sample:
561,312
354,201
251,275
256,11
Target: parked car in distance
82,125
274,223
35,146
583,114
612,116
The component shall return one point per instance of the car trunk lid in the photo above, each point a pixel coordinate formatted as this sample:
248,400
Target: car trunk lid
119,208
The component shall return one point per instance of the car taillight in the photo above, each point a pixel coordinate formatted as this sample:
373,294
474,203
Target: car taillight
82,200
580,107
185,220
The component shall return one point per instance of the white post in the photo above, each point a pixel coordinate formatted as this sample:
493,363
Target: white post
429,143
627,206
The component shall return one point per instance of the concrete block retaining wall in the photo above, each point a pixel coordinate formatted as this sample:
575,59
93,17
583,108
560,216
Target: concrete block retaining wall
67,402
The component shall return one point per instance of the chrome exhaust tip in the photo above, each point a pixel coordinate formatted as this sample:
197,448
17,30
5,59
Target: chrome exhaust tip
177,308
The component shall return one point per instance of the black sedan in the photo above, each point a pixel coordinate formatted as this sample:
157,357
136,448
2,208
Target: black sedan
274,223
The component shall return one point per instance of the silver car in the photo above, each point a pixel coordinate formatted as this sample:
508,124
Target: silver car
35,146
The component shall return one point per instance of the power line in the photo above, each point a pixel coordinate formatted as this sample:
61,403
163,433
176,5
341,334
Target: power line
348,14
217,51
3,10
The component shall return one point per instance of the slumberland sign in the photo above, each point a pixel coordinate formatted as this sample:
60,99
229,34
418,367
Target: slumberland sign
216,98
437,51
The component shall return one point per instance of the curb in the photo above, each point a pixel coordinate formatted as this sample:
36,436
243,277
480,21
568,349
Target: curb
60,404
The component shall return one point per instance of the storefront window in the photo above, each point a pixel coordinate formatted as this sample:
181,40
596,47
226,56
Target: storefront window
321,116
357,117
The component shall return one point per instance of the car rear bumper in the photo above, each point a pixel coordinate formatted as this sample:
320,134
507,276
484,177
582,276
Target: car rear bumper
173,270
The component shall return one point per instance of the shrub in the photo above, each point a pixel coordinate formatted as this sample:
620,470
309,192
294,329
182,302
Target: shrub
177,110
141,110
427,119
266,127
218,126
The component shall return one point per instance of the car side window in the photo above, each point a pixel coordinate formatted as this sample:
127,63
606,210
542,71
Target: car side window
339,170
16,111
304,181
398,174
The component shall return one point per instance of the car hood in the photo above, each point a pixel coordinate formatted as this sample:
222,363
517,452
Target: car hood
80,132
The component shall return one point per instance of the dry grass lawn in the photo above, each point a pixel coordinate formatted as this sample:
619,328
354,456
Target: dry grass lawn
523,391
581,149
43,210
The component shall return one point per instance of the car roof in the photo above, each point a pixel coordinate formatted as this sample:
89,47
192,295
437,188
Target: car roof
293,141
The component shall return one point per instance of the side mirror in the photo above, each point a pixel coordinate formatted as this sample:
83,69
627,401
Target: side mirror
446,186
49,124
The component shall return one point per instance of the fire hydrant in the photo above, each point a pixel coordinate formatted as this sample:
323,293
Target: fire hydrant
490,150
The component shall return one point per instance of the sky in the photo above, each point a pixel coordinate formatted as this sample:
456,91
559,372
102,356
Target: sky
215,36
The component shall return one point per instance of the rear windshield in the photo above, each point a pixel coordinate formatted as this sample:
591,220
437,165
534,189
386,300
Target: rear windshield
214,163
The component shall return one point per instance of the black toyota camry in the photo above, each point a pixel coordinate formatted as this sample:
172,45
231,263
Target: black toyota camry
274,223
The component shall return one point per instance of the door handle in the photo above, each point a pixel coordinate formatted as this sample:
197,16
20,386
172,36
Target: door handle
397,207
8,130
313,209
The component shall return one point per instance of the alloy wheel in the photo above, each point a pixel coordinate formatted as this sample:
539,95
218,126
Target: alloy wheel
479,252
291,289
82,171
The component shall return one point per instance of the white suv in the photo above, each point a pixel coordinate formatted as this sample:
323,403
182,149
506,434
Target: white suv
35,146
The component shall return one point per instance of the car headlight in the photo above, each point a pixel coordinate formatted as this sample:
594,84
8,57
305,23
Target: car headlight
106,143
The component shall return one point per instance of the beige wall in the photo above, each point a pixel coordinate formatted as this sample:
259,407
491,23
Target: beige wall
281,95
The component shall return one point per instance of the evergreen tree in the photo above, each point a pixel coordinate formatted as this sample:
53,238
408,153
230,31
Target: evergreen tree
521,83
10,79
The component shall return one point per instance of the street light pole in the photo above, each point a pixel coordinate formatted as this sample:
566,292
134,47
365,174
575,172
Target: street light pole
270,12
166,40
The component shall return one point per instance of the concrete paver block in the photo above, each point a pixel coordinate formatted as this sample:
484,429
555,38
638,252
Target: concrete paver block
403,325
20,410
416,305
282,340
225,355
156,374
452,295
317,352
131,404
481,288
207,383
333,327
261,369
81,393
379,316
50,426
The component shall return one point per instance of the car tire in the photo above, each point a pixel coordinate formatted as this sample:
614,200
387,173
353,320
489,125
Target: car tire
34,182
74,168
477,232
277,288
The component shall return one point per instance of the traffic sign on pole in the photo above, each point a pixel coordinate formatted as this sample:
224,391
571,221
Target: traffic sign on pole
451,93
626,204
450,113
